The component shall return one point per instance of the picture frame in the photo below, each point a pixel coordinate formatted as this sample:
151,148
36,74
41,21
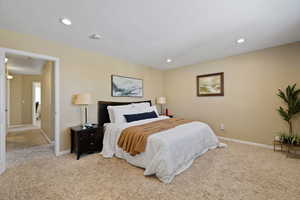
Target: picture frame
122,86
210,84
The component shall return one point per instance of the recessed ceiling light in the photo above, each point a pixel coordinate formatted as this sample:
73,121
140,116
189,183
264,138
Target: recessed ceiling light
65,21
95,36
169,60
6,60
241,40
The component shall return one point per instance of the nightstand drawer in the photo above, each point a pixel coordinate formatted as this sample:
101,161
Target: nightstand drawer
92,133
90,144
84,136
93,146
88,130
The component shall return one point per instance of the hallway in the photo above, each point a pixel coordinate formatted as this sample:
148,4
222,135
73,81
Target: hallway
24,139
23,146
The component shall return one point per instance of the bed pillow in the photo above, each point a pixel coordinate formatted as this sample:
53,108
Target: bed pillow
149,109
140,116
119,112
112,113
141,105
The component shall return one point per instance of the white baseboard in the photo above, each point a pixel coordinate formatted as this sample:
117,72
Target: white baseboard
61,153
19,125
25,127
246,142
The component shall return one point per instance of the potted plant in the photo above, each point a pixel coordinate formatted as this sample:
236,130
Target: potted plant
288,113
290,139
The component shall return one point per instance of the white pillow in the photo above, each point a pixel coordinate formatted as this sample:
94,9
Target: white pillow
141,105
149,109
119,112
116,113
112,114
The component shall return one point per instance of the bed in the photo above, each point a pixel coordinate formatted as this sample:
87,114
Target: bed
167,153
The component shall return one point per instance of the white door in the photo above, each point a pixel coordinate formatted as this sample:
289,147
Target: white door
2,111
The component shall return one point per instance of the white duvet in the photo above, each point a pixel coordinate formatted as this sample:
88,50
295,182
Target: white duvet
167,153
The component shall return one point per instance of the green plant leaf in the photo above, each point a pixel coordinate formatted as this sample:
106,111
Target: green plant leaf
284,114
292,108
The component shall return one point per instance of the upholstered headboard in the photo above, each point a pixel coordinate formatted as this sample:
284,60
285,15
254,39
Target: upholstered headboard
103,116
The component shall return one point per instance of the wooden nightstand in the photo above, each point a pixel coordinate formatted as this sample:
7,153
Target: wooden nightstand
85,140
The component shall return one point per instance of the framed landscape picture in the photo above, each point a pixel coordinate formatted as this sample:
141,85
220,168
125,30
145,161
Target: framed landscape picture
210,84
122,86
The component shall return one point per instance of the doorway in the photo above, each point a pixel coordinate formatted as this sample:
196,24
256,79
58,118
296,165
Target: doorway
35,102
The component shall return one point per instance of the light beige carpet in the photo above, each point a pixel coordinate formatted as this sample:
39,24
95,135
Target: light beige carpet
239,172
24,139
18,157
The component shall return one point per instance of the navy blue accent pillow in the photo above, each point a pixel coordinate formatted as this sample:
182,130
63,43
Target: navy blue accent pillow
140,116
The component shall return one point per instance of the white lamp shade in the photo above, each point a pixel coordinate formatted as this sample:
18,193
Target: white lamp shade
161,100
9,77
83,99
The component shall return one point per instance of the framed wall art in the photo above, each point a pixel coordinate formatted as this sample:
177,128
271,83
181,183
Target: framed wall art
122,86
210,84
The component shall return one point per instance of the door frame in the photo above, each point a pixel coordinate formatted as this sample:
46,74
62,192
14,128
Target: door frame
56,112
7,103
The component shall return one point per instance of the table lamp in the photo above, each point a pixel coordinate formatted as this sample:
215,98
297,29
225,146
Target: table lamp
161,101
84,100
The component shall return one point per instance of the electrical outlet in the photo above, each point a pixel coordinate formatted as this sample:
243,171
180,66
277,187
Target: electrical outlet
222,127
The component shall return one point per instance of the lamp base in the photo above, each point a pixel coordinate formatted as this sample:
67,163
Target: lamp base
85,124
161,109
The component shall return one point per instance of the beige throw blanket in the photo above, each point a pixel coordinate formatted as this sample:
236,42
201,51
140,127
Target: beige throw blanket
134,139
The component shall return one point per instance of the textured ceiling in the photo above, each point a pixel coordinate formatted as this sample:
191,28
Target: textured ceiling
150,31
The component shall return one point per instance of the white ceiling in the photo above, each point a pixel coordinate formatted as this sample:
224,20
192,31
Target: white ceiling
150,31
24,65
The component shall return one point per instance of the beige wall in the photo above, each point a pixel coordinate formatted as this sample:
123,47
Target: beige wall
15,100
46,98
84,71
248,109
21,98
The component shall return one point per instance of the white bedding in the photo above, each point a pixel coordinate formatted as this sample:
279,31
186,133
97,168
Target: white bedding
167,153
